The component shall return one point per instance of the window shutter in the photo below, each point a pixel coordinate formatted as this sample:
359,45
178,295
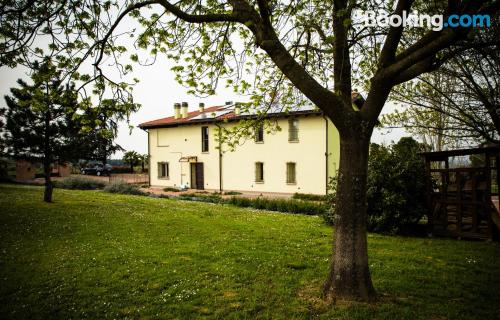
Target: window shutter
290,172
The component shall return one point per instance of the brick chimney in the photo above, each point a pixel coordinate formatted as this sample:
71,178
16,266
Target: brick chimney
202,107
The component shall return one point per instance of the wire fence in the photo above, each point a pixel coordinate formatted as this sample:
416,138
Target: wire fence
132,178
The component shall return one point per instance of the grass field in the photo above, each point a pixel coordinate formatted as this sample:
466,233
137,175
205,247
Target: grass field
100,256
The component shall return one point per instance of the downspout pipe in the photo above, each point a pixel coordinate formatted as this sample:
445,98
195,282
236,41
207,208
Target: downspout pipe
220,156
149,158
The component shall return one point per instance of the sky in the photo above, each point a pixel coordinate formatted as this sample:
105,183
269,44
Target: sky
157,92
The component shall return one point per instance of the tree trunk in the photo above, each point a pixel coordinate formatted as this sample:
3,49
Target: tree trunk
349,275
47,195
47,157
131,168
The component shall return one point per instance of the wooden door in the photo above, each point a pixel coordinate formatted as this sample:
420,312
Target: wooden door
197,176
200,179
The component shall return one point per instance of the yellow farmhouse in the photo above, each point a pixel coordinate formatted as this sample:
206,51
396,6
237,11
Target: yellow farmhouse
184,151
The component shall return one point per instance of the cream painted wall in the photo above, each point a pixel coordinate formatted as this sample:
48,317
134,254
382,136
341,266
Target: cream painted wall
333,150
170,144
275,152
238,167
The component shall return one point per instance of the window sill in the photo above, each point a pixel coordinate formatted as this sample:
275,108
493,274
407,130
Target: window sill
259,182
291,183
259,142
293,141
163,178
205,152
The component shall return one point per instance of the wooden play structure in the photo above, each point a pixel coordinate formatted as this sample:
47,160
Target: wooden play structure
462,192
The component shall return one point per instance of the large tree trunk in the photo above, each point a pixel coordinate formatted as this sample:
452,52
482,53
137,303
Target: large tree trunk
47,195
47,159
349,276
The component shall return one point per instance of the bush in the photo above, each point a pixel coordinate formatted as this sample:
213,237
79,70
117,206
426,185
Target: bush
396,193
171,189
4,171
124,188
280,205
309,196
329,214
203,197
231,193
79,183
239,202
120,169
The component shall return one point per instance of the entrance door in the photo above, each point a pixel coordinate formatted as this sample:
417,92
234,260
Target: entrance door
197,176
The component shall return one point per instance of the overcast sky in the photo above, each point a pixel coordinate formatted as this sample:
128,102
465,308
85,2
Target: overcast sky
157,91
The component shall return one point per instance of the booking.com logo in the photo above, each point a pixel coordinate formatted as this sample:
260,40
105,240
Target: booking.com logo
435,22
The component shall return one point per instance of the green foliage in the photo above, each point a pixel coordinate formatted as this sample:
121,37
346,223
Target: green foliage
202,196
329,214
171,189
281,205
396,187
99,125
132,158
124,188
396,194
79,183
39,117
4,169
160,258
120,169
231,193
309,196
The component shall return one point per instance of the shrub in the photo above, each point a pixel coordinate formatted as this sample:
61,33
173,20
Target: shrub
203,197
231,193
396,194
280,205
120,169
171,189
79,183
4,171
329,214
123,188
309,196
239,202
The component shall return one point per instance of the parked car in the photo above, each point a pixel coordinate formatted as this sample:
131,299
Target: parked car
98,170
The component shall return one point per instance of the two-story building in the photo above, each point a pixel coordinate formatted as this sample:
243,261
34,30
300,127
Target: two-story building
184,151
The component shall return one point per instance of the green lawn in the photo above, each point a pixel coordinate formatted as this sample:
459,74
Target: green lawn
97,255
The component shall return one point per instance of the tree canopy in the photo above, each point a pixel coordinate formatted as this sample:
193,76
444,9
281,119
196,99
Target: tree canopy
458,104
40,123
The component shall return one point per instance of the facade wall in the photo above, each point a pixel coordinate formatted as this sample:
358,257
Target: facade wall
172,144
312,156
308,154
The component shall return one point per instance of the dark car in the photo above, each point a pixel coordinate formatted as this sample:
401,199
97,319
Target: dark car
98,170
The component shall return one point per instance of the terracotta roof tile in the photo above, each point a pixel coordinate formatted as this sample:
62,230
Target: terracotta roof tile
172,120
357,99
